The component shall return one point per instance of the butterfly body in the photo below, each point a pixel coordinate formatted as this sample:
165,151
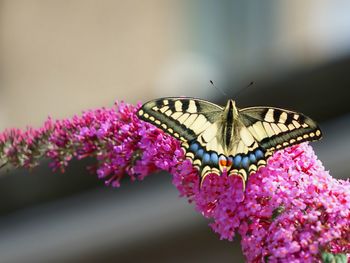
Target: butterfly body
227,139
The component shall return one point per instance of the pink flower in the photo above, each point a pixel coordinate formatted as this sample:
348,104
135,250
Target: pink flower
291,211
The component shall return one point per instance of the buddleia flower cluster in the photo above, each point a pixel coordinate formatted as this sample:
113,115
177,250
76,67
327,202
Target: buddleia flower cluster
292,210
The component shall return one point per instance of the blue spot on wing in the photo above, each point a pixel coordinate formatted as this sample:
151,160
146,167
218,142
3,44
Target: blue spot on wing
194,147
245,162
206,158
199,153
237,161
259,154
252,158
214,158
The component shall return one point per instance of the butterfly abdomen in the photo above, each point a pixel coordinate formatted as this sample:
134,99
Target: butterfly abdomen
229,120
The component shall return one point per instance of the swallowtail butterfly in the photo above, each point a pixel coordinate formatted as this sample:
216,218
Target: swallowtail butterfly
227,138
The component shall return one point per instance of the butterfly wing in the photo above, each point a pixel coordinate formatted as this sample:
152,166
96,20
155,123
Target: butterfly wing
275,128
262,130
193,122
183,118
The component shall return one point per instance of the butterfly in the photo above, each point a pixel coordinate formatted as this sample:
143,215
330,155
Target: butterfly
218,139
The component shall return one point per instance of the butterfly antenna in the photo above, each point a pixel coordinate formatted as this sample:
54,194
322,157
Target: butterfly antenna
244,88
223,93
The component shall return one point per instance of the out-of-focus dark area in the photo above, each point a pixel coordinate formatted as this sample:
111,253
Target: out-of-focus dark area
58,58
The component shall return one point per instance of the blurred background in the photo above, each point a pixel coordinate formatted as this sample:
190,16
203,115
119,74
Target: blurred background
59,58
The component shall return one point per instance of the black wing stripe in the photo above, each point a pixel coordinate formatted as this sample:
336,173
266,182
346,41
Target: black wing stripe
185,105
159,103
171,104
198,105
289,119
290,138
161,122
276,115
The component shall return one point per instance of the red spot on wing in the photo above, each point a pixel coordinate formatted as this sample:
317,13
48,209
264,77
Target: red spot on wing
223,162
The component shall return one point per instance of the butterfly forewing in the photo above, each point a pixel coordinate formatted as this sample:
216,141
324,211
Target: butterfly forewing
276,128
181,117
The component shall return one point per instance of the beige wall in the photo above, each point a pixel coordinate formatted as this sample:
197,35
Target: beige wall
61,57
